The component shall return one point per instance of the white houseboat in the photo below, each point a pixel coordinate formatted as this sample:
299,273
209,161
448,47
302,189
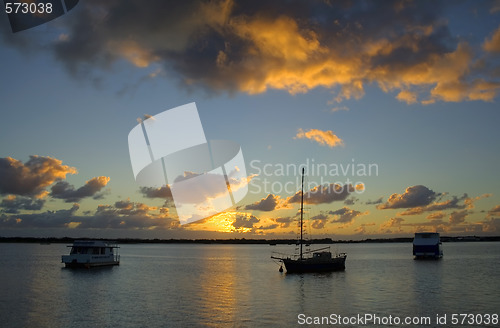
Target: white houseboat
427,245
91,253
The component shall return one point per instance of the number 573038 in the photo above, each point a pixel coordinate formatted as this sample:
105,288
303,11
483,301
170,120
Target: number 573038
28,8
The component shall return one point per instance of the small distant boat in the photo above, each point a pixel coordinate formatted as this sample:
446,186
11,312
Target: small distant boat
427,245
91,253
319,260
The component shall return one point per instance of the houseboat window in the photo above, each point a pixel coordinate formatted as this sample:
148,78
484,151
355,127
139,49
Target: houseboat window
95,251
103,250
78,250
110,250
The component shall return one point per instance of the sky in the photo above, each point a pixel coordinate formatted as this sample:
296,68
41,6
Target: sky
390,106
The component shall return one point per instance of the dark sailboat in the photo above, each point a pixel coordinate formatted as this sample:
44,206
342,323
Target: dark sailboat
319,260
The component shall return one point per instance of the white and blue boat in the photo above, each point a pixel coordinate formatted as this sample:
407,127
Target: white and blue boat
91,253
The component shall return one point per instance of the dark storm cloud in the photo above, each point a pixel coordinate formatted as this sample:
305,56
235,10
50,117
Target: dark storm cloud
254,46
284,222
344,215
32,177
243,221
458,217
412,197
491,225
442,205
162,192
152,192
351,201
128,215
12,204
268,203
448,204
48,219
63,190
269,227
121,215
323,194
319,221
375,202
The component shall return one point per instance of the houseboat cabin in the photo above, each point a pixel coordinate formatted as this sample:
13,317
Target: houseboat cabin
91,253
427,245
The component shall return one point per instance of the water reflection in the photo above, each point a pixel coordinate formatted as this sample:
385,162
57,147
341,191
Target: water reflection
425,282
219,293
236,285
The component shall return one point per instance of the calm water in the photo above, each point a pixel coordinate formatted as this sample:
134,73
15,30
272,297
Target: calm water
239,286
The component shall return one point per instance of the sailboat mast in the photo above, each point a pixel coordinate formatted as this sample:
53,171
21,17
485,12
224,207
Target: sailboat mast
301,212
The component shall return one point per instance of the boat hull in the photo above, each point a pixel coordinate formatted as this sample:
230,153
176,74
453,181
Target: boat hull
75,264
307,265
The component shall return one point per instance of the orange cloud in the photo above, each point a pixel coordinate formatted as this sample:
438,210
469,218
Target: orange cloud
407,96
32,177
494,212
294,59
391,224
253,47
435,216
493,44
360,187
133,52
324,138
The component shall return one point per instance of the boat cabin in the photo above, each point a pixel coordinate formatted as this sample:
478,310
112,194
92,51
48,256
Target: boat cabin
90,253
427,245
322,255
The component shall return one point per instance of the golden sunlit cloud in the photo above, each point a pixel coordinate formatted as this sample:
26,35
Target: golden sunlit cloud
73,225
360,187
31,177
324,138
493,44
224,222
293,59
494,212
407,96
133,52
243,222
393,223
252,48
435,216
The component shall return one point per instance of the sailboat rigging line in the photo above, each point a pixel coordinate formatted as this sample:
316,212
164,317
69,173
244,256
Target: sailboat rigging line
320,261
301,212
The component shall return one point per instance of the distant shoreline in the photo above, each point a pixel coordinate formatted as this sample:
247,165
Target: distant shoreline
68,240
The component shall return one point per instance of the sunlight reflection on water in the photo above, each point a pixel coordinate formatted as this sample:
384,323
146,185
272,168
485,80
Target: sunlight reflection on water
178,285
